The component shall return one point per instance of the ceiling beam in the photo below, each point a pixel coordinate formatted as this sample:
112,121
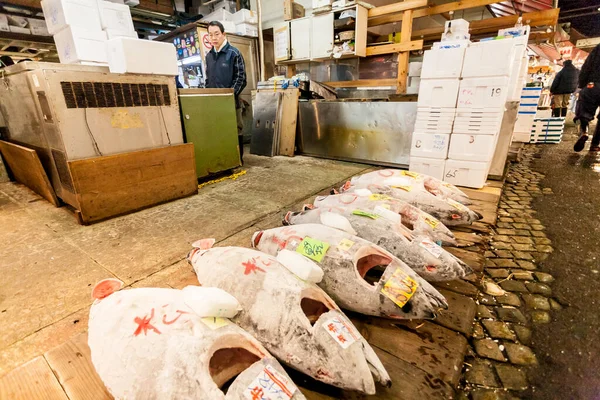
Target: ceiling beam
397,7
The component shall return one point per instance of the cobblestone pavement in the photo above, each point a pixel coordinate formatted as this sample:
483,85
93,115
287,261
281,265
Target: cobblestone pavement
516,294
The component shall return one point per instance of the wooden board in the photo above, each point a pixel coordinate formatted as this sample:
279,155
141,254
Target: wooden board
31,381
113,185
27,169
439,351
465,239
394,48
288,121
72,365
460,313
473,260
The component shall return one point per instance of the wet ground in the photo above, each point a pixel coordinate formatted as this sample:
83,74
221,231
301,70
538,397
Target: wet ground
568,348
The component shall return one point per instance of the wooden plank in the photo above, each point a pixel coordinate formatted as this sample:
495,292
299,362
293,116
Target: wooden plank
72,365
465,239
425,12
27,169
439,351
458,286
397,7
31,381
460,313
362,83
394,48
287,124
405,35
473,260
113,185
205,91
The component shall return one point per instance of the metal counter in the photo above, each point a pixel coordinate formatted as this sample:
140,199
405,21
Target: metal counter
374,132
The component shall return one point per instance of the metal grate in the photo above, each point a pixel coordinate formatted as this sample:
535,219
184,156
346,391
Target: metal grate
107,95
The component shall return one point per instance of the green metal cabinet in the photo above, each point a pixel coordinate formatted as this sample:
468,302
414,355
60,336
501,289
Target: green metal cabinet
209,122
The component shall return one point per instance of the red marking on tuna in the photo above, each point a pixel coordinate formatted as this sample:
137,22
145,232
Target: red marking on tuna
386,172
343,198
266,264
251,267
278,383
288,231
257,393
279,242
144,324
179,314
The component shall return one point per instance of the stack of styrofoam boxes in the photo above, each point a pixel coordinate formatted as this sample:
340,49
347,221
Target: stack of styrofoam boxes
414,77
246,23
547,130
482,96
530,97
457,29
223,12
116,20
440,80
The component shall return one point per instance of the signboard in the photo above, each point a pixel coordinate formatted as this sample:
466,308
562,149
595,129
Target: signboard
565,52
587,43
187,44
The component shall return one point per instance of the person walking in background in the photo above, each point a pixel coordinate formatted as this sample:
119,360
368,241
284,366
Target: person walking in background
589,100
225,68
565,83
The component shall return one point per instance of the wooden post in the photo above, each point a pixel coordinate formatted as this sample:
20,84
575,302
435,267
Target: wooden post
405,35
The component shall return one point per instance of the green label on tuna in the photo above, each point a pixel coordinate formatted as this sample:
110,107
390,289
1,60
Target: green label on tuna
313,248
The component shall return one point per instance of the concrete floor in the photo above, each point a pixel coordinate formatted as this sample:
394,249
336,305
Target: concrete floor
49,263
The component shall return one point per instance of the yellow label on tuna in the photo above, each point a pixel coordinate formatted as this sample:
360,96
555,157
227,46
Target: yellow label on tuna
378,197
400,288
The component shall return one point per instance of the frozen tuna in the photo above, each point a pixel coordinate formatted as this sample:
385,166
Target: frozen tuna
387,177
449,212
420,253
294,319
359,275
151,344
418,222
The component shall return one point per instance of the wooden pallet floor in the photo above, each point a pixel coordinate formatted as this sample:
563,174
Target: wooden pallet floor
423,358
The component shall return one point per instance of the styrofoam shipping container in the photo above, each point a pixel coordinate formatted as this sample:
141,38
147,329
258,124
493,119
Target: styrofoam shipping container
78,13
489,58
227,5
521,137
438,93
219,15
246,29
4,23
75,44
18,29
457,25
483,92
430,145
116,17
443,63
471,174
415,68
127,55
245,17
38,27
414,84
472,147
452,44
112,33
429,166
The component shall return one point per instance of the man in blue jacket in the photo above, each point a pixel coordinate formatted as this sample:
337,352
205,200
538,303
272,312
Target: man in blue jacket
225,68
565,83
589,100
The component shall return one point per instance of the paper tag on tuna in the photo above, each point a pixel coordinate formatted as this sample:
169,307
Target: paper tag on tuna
365,214
431,247
340,331
405,188
270,385
378,197
215,322
400,288
432,222
411,174
456,205
345,244
313,248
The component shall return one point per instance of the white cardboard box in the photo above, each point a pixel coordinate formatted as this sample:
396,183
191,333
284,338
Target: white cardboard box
489,58
428,166
246,29
79,13
443,63
4,23
245,17
472,147
38,27
438,92
430,145
471,174
75,44
136,56
116,17
483,92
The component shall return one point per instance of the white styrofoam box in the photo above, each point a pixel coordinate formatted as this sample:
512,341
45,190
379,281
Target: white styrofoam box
112,33
542,114
18,29
321,3
454,36
430,145
524,122
471,174
16,20
528,108
132,3
438,92
4,23
483,92
414,84
75,44
126,55
515,31
79,13
443,63
428,166
452,44
116,1
521,137
38,27
218,15
414,68
245,17
457,25
472,147
489,58
229,26
115,16
246,29
519,72
227,5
